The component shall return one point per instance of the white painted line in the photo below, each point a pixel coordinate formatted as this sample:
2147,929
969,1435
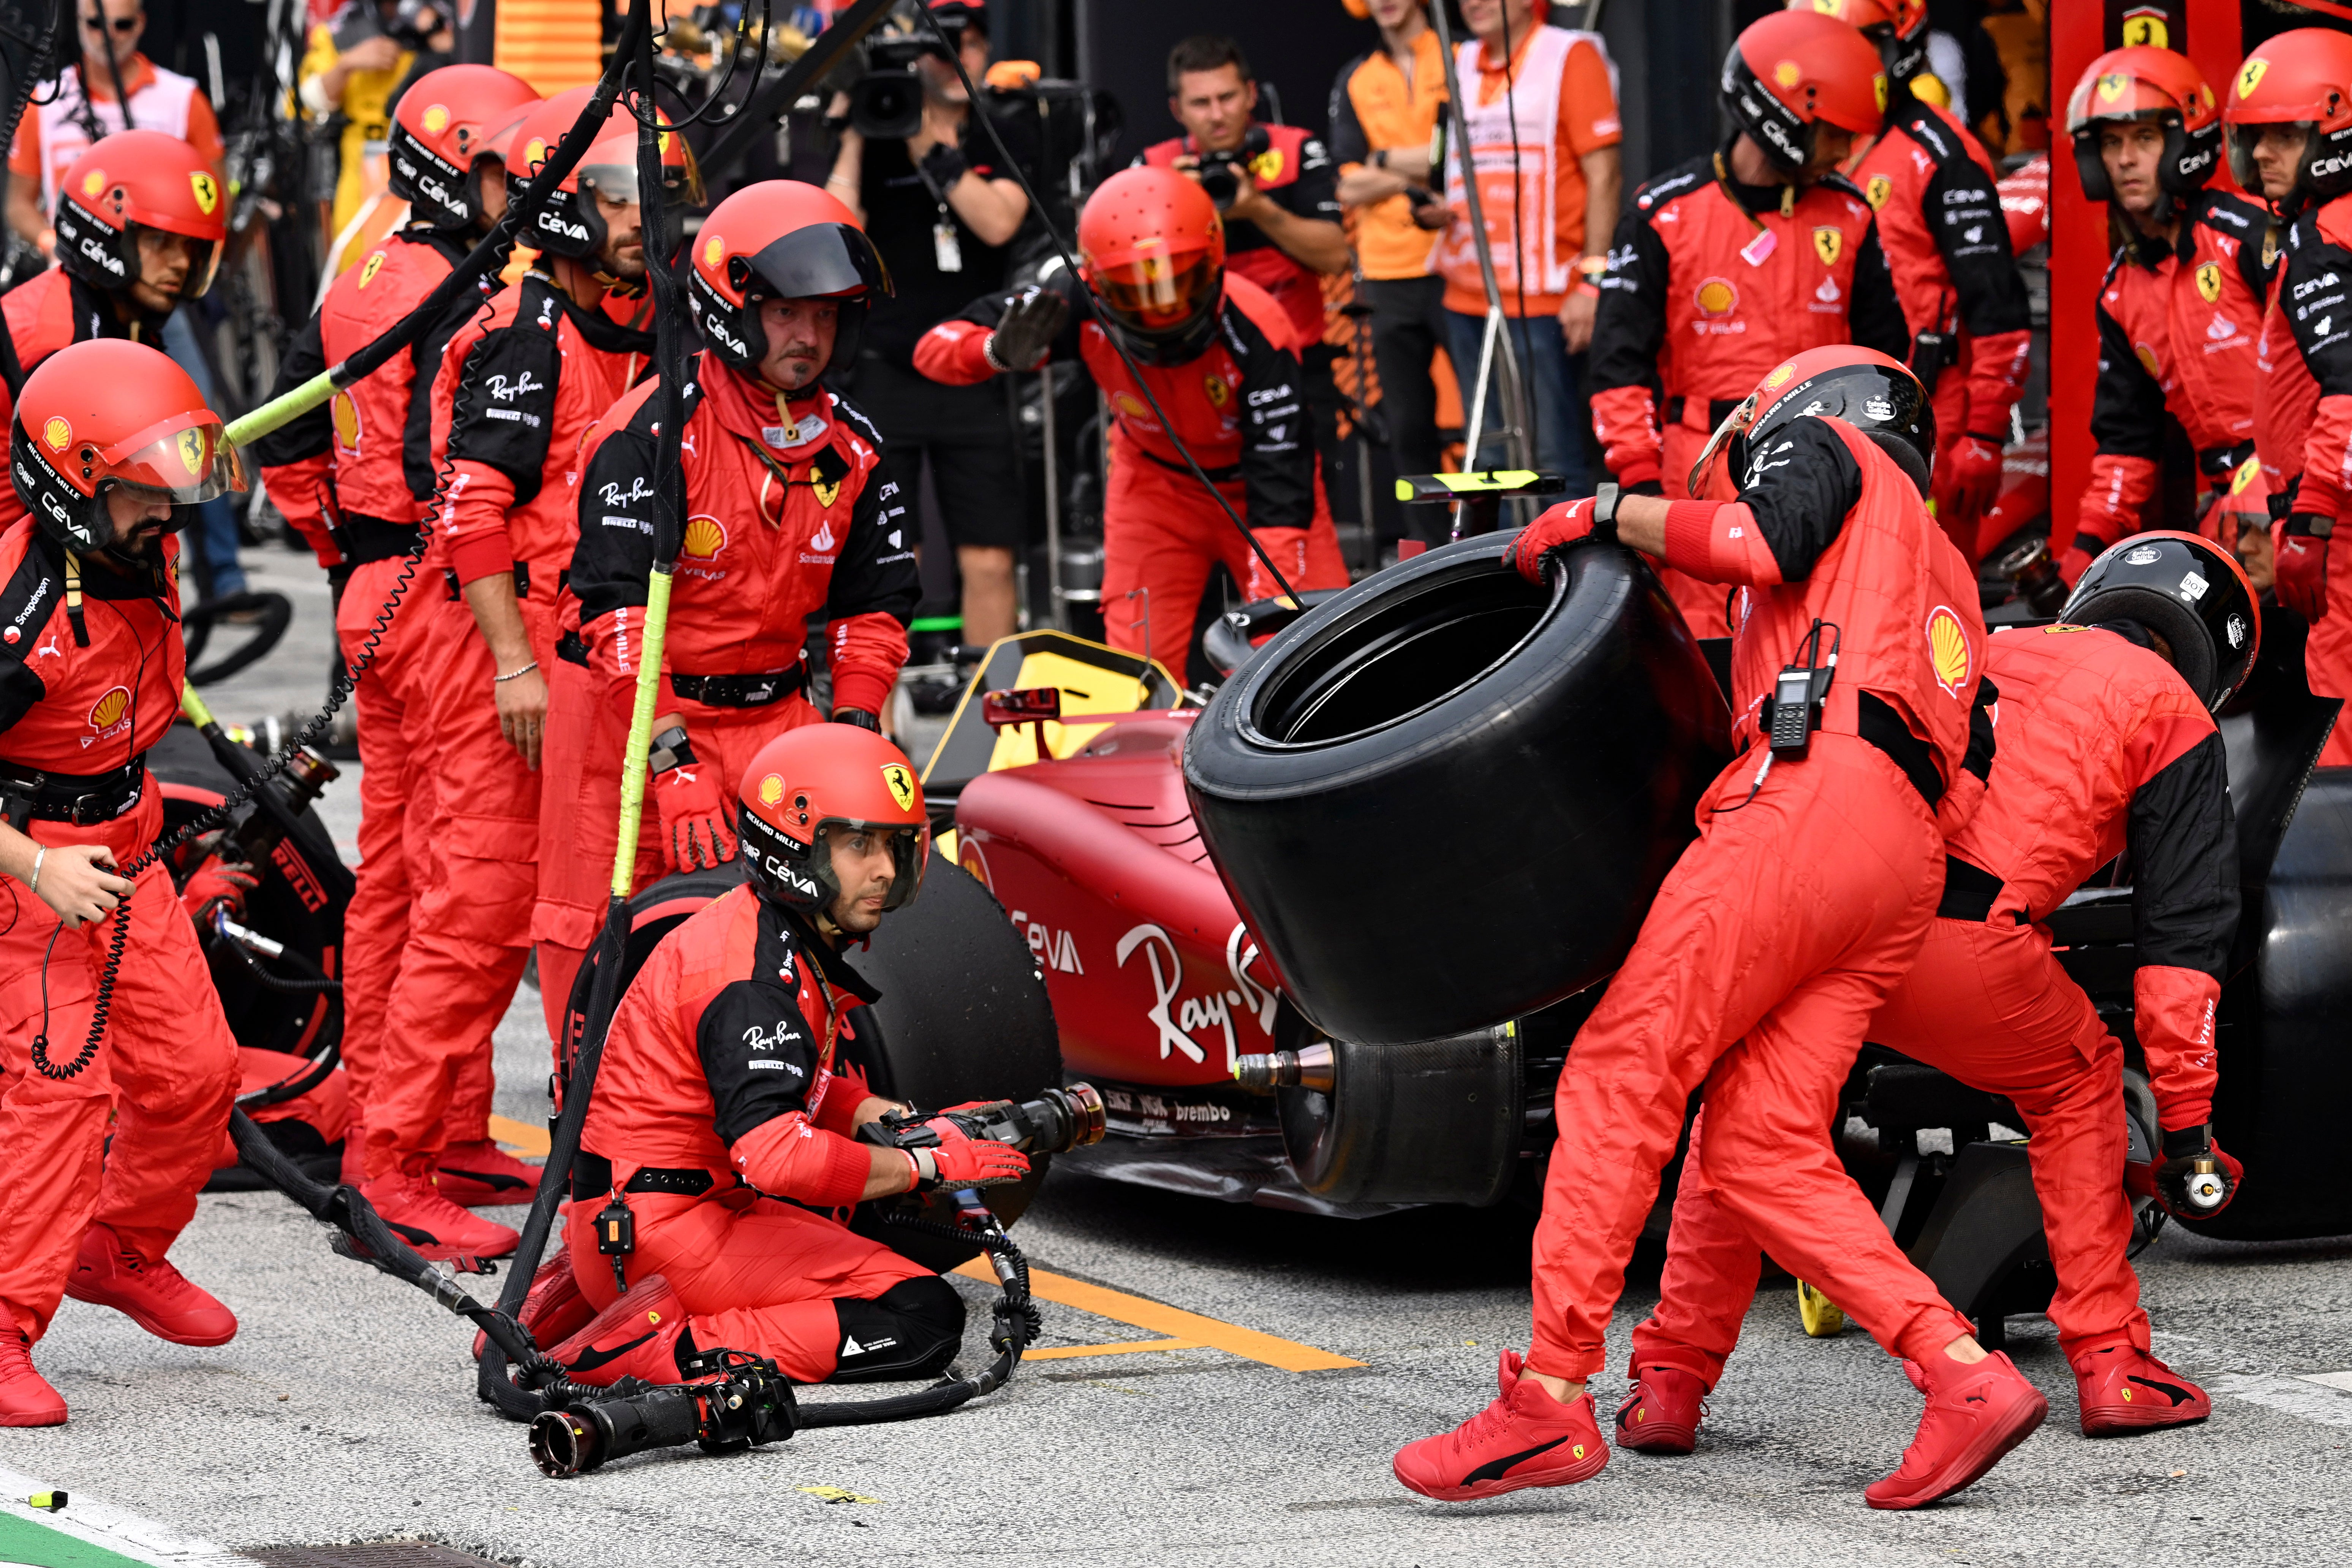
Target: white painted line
2339,1380
101,1524
2293,1395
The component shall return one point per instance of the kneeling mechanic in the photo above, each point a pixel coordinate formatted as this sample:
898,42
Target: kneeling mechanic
2107,744
110,447
721,1120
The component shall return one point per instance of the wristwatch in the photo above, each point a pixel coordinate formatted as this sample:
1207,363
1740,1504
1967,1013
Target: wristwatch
1604,513
670,748
1380,158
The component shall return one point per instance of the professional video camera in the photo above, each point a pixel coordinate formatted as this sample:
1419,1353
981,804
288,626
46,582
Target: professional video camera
412,24
745,1402
887,101
1221,173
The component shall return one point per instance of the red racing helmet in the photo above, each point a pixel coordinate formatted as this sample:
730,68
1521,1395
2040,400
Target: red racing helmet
1897,28
108,412
1153,249
447,122
134,180
569,225
787,240
1792,70
2303,77
2156,85
1877,395
2187,590
820,780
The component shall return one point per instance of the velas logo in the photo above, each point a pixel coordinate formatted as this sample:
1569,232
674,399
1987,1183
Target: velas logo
714,250
771,790
1829,244
58,434
207,192
93,183
1788,74
1948,651
705,538
902,785
2208,281
2113,86
369,269
436,119
2250,75
1715,297
1878,190
107,712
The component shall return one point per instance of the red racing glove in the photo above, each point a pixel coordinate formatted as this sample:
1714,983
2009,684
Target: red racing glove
2301,569
698,824
2197,1179
1966,481
1563,527
218,881
1289,548
958,1160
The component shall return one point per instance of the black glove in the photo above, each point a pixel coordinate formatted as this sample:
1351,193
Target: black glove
944,164
1026,333
859,717
2196,1180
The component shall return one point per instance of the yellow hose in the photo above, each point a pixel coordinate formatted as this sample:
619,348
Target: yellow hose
641,731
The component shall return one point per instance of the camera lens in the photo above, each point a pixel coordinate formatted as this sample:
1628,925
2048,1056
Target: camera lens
887,105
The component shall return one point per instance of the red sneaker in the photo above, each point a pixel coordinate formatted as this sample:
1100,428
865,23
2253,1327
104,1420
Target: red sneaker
447,1231
148,1291
354,1171
639,1335
555,1310
483,1175
1661,1416
1526,1438
26,1397
2125,1389
1974,1416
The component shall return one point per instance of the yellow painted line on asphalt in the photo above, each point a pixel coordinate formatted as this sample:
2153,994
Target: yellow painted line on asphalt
520,1136
1174,1321
1125,1347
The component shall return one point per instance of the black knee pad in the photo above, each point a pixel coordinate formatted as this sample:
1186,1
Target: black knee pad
912,1329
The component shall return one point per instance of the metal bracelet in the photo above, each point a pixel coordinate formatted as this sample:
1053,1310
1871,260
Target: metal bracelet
33,884
514,674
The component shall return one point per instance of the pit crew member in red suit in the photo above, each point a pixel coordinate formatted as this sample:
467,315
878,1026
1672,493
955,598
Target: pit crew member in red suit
101,1154
1222,359
1781,929
787,515
139,222
2181,311
356,478
1728,265
724,1121
2289,128
1946,244
523,379
2106,746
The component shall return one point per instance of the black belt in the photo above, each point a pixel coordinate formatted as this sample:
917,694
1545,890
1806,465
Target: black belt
1221,476
591,1176
362,539
1884,728
739,690
521,581
82,799
571,650
1717,410
1970,892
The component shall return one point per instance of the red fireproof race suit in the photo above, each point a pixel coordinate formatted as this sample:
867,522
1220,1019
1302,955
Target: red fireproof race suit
1946,244
1779,933
354,478
2102,748
1709,286
524,378
2303,423
2179,327
1240,407
722,1120
787,516
130,1139
46,314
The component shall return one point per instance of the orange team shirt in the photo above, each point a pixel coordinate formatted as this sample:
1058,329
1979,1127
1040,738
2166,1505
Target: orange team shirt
1588,122
204,127
1376,108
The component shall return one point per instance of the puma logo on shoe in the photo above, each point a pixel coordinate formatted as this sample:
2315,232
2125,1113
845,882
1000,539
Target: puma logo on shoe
590,1360
2172,1391
1495,1469
497,1179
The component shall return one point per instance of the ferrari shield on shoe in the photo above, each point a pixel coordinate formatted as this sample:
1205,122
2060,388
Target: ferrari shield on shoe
1661,1414
1526,1438
2124,1389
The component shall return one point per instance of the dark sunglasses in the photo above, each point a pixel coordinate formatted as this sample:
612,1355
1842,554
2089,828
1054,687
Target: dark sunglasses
97,24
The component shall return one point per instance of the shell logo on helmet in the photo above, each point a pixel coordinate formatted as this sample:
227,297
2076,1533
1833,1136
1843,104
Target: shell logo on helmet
93,183
437,118
1948,651
58,434
771,790
713,250
1778,378
535,155
108,710
901,783
704,537
1788,74
1715,297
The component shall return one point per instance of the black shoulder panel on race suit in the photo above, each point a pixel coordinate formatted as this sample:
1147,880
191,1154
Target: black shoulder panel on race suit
1277,433
2318,299
616,552
1963,214
757,1054
875,570
1800,487
505,411
1628,327
2183,840
2128,402
27,601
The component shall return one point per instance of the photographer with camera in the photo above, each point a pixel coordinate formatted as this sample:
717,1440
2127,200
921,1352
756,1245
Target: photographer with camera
723,1124
354,65
940,208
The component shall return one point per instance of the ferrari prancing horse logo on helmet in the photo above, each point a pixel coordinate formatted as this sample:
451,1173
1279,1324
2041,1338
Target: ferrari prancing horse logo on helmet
901,783
1829,244
2251,76
192,452
207,192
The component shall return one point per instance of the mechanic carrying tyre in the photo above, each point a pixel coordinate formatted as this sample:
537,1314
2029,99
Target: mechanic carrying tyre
1939,221
2106,746
2181,308
722,1128
1728,265
521,383
2288,122
140,218
105,1137
788,514
356,478
1223,360
1819,865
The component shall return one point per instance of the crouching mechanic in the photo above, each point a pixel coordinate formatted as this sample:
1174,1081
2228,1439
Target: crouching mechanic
787,516
721,1119
110,446
2106,745
1221,357
1781,929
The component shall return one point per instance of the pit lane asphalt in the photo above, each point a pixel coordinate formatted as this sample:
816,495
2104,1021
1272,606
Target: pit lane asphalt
343,1410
